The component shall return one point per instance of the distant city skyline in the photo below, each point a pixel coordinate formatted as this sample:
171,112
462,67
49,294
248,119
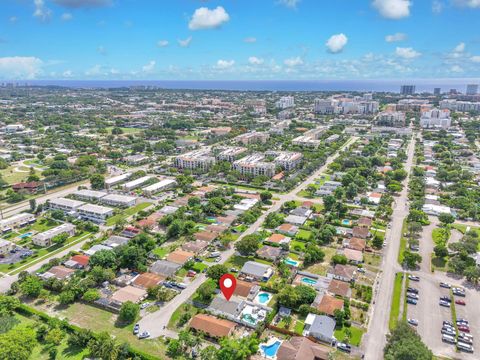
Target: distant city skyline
233,40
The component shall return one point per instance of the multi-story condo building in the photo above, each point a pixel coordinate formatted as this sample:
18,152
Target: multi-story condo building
230,153
254,165
131,185
117,180
285,102
437,91
197,159
436,118
472,89
89,195
16,221
64,204
413,105
310,138
257,107
286,159
357,105
119,200
44,239
252,137
95,213
391,118
407,89
462,106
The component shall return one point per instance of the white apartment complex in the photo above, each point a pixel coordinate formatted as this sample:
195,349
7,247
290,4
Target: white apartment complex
117,180
89,195
436,119
44,239
252,137
95,213
463,106
285,102
286,159
159,186
119,200
196,159
64,204
310,138
131,185
254,165
356,105
391,118
230,153
16,221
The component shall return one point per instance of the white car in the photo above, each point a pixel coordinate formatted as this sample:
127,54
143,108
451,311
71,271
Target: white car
413,322
144,305
144,335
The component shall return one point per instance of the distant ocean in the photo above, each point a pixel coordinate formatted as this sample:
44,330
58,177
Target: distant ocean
423,85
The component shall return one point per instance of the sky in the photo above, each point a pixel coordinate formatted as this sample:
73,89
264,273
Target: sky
239,39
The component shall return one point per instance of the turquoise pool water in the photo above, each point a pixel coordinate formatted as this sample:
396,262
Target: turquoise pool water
345,222
25,235
309,281
249,319
291,262
271,350
263,298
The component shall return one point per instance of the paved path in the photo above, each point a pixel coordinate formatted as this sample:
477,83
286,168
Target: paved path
156,322
374,341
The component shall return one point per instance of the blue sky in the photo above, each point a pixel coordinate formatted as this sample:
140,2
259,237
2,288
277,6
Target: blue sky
239,39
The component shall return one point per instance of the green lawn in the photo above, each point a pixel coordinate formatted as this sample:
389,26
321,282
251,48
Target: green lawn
297,245
372,259
396,300
299,325
12,176
161,252
355,337
403,242
126,130
126,213
236,261
303,235
177,314
463,228
440,236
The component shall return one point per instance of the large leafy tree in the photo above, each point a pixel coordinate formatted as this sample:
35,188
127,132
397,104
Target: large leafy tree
405,344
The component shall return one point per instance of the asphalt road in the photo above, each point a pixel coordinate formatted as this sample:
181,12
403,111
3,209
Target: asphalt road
156,322
375,340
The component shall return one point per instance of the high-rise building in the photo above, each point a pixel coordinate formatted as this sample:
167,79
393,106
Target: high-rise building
472,89
437,91
407,89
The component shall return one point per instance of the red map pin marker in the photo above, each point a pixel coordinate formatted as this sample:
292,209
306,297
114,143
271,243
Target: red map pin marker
228,283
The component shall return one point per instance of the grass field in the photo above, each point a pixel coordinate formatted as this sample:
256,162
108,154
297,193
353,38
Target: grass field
403,242
440,236
303,235
126,130
355,337
126,213
396,301
12,176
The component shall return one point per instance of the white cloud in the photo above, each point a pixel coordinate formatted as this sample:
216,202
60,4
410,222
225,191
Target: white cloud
19,67
456,69
186,42
225,64
459,48
255,60
289,3
66,17
204,18
336,43
162,43
407,53
437,6
475,59
393,9
250,40
396,37
468,3
67,74
294,61
93,71
41,12
149,67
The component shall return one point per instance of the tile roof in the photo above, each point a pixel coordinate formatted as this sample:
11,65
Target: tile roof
211,325
81,259
301,348
329,304
148,280
340,288
180,256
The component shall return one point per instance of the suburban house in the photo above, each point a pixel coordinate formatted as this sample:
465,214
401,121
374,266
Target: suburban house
339,288
278,239
256,271
129,293
328,304
196,247
212,326
164,268
28,187
345,273
320,327
287,229
148,280
302,348
77,262
270,252
180,256
58,272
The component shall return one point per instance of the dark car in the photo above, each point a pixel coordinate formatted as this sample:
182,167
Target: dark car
344,347
136,329
412,290
411,301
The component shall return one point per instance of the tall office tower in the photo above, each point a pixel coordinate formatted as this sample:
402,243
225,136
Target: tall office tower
437,91
472,89
407,89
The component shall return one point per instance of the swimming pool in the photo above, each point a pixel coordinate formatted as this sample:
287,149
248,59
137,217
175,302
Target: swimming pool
346,222
249,319
291,262
263,297
309,281
270,350
25,235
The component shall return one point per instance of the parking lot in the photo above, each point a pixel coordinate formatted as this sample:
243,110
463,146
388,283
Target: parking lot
430,314
12,258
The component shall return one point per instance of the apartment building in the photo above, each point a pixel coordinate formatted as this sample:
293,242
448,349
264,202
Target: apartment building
95,213
332,138
254,165
391,118
16,221
197,159
413,105
252,137
346,105
5,246
286,159
132,185
462,106
436,119
119,200
159,186
285,102
117,180
64,204
89,195
230,153
310,138
44,239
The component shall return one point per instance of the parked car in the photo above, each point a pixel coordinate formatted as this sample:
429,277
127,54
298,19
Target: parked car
411,301
144,335
145,305
444,303
446,322
413,278
412,296
412,290
344,347
445,285
464,329
460,302
191,273
136,329
445,298
413,322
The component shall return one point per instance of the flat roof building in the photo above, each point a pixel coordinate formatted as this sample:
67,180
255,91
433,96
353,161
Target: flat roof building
252,137
230,153
163,184
44,239
117,180
95,213
119,200
89,194
16,221
131,185
64,204
197,159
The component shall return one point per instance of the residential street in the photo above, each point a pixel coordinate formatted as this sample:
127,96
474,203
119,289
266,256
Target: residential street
156,322
374,341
